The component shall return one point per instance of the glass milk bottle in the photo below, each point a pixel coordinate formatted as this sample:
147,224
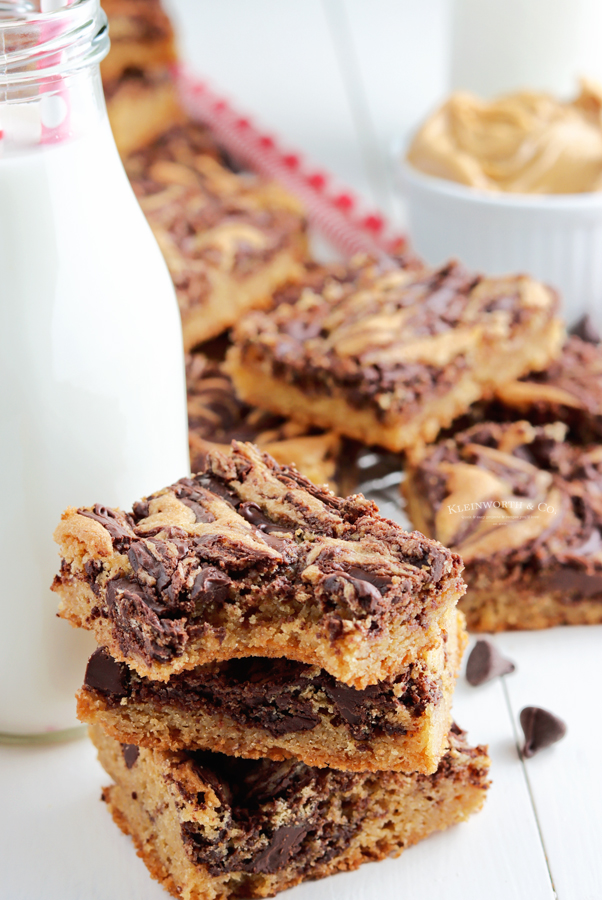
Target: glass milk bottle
92,396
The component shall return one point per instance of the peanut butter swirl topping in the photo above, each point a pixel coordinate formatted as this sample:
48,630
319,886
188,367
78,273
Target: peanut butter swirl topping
388,336
513,495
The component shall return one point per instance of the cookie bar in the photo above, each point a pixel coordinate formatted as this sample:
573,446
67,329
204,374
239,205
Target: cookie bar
229,239
570,390
209,826
140,91
278,708
523,507
390,356
216,417
248,558
140,106
142,37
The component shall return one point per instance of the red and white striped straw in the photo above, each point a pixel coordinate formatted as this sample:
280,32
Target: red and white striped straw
334,210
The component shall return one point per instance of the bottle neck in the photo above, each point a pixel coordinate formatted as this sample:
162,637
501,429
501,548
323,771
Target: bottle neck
50,88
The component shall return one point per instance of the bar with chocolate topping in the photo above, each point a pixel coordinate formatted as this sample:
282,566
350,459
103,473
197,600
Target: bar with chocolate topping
140,90
229,239
141,37
216,417
213,826
278,709
389,355
247,558
523,507
569,390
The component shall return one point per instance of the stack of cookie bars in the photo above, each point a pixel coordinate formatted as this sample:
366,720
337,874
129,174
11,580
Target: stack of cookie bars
272,688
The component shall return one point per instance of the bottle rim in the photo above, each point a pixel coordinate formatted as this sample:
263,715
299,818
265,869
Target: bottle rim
37,44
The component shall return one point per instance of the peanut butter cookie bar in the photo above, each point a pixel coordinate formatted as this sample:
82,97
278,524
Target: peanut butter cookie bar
229,239
569,390
139,89
142,37
523,507
277,708
216,417
248,558
209,826
390,356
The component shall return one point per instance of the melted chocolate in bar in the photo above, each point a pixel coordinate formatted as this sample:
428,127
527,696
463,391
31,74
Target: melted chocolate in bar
248,791
271,694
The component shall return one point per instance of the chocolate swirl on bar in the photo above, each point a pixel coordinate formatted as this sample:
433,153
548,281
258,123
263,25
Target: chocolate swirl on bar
245,532
385,337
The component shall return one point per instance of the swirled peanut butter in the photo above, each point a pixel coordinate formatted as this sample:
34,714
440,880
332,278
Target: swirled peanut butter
528,142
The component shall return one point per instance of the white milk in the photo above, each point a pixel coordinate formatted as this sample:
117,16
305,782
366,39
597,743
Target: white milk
92,398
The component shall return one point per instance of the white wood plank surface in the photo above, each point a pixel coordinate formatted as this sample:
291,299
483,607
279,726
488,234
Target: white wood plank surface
561,670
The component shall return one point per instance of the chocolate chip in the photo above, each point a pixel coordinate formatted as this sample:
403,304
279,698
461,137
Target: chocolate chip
541,728
201,514
217,487
189,494
349,701
382,582
276,543
130,754
141,510
266,780
134,612
367,597
282,845
92,568
252,513
105,674
220,786
210,586
141,558
486,662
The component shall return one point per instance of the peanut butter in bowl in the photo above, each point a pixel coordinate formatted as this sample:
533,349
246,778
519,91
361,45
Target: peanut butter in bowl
513,185
523,143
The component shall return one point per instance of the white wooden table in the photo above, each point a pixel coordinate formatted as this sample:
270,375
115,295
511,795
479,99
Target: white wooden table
340,79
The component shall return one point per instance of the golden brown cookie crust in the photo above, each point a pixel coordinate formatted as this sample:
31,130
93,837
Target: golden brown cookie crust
153,798
411,738
251,559
391,356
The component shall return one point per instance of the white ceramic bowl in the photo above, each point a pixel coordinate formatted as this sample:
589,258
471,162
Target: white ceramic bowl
557,238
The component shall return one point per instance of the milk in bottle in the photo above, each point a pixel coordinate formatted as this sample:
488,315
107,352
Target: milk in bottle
92,397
